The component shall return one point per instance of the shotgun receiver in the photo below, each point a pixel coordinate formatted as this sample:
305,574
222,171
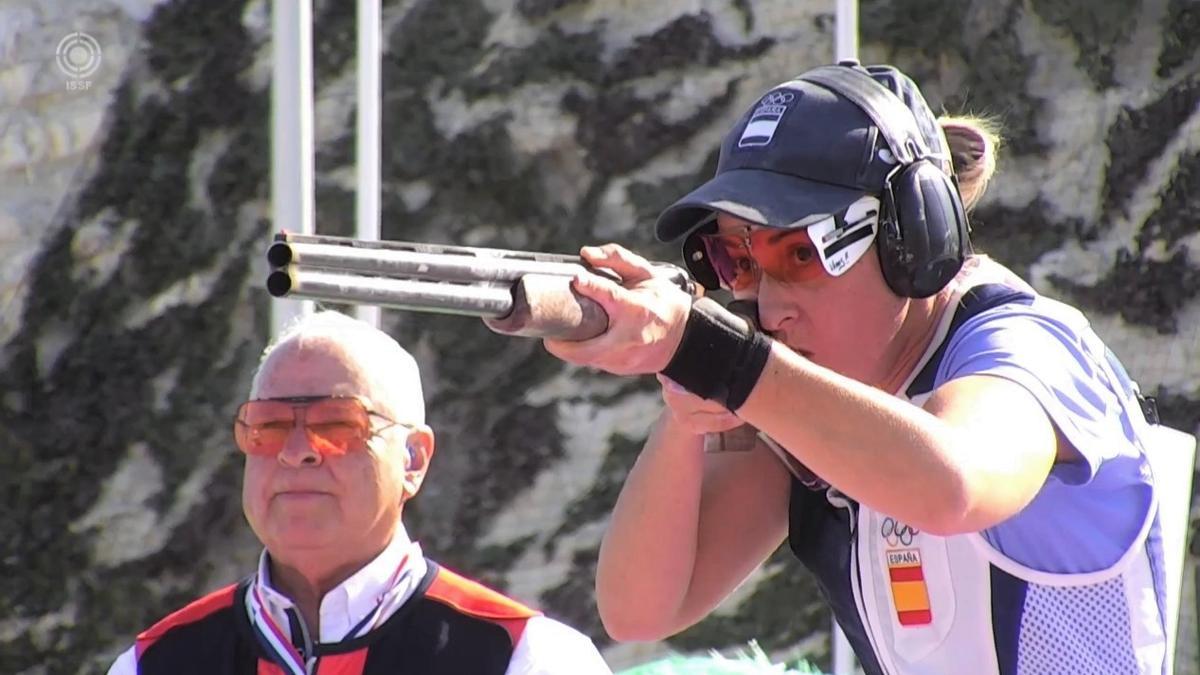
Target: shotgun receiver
514,292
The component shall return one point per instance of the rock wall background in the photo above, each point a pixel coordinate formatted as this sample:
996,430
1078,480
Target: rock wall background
133,216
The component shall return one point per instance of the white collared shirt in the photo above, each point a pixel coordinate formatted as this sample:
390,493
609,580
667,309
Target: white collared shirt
350,602
546,647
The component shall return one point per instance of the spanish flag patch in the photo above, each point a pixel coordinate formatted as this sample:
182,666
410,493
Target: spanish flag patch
909,592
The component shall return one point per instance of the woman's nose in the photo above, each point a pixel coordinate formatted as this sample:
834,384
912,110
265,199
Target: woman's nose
775,304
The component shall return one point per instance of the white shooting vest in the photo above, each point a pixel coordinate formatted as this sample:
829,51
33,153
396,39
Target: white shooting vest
913,603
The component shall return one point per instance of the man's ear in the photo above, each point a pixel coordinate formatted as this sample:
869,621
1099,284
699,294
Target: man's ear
418,452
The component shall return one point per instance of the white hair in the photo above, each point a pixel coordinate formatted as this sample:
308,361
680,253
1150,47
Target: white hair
393,370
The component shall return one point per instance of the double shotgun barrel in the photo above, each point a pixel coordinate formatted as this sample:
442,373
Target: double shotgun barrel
515,292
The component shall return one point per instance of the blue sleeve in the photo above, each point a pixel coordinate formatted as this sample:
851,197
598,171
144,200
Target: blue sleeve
1090,511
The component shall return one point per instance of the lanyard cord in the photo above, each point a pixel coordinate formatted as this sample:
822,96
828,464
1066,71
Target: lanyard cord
281,648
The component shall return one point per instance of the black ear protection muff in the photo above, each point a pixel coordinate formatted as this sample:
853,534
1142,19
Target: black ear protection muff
923,231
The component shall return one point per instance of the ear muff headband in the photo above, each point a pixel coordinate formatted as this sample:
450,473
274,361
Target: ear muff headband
923,237
890,115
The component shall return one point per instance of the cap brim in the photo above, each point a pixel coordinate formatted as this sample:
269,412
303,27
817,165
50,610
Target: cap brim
760,197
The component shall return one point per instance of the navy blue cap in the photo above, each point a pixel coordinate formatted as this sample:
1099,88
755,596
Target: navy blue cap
804,152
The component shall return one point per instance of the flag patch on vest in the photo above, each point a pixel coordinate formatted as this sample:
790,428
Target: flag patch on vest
909,593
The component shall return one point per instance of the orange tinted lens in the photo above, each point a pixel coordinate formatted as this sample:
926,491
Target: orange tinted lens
731,260
337,424
333,425
788,256
262,427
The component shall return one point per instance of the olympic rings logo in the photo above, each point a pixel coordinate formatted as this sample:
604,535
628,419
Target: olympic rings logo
78,55
897,533
777,98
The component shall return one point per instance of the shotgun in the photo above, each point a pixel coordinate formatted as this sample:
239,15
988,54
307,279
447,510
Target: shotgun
515,292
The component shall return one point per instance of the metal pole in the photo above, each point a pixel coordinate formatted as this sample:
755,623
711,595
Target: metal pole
368,134
292,203
842,658
1196,592
845,36
845,46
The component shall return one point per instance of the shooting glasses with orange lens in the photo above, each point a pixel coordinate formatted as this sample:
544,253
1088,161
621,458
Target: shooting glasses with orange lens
803,253
740,260
334,425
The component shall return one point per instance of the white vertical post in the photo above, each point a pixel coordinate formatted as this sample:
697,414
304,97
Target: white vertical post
368,134
842,657
845,35
845,46
292,203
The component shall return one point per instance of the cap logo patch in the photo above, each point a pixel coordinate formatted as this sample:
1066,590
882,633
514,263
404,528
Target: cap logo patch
765,119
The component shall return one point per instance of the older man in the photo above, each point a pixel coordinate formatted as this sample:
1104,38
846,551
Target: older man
335,445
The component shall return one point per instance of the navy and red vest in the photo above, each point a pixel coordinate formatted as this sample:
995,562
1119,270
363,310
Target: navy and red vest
450,626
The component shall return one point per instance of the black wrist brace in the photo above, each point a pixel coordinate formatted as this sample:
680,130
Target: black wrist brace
720,356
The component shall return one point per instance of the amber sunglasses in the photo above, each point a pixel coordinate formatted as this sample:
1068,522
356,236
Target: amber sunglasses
334,425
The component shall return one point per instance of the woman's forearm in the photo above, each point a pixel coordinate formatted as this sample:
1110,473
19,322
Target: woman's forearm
648,553
880,450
